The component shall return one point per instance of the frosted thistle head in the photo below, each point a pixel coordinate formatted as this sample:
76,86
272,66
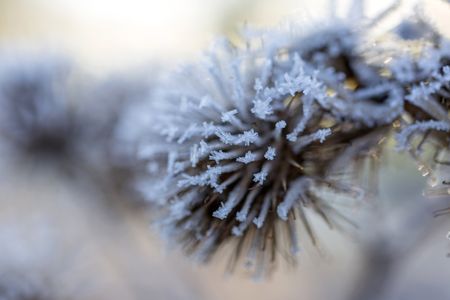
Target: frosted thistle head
425,78
238,147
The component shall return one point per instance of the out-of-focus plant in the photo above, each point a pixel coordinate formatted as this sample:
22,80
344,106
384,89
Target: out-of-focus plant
52,112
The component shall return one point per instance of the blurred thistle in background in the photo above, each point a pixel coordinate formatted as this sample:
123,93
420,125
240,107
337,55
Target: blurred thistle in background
58,140
36,115
54,113
251,151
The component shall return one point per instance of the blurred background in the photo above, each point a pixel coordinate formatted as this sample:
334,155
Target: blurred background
67,235
106,34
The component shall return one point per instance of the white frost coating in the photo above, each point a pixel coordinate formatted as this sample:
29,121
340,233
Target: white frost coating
221,187
241,216
280,125
290,85
207,178
193,130
181,206
209,129
270,153
219,155
225,137
307,114
238,91
259,221
260,177
245,138
262,108
295,192
204,148
248,137
194,155
229,116
422,96
172,157
258,86
240,229
320,135
404,136
208,102
170,132
426,78
248,158
234,198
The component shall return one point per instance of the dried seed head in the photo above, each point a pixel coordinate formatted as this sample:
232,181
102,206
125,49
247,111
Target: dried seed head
424,73
239,144
426,82
50,113
236,147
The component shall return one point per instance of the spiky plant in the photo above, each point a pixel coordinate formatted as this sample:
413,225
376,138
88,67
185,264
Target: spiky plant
35,112
50,111
240,144
424,73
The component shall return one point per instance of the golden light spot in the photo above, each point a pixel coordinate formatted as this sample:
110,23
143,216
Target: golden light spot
351,84
331,92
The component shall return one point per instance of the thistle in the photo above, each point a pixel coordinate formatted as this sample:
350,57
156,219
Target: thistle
425,124
52,112
35,113
242,143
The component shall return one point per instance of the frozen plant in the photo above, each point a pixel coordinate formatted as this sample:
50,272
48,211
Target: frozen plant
52,112
238,145
425,77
